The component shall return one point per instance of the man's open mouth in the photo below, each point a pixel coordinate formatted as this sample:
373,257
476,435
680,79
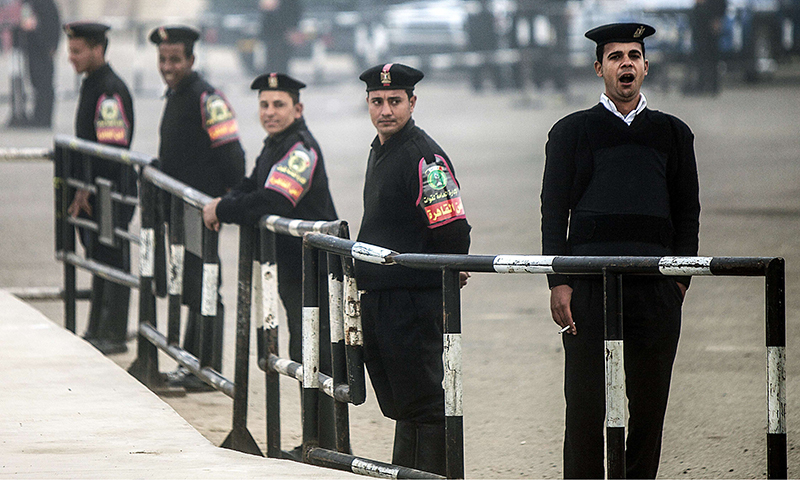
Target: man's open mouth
627,78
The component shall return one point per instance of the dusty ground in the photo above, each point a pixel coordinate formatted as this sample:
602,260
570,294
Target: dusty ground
747,146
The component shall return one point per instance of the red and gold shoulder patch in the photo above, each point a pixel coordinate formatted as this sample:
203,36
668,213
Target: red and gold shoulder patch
292,175
218,118
439,193
111,124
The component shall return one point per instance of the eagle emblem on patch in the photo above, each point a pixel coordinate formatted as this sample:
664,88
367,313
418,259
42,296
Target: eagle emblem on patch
439,193
219,120
292,175
111,125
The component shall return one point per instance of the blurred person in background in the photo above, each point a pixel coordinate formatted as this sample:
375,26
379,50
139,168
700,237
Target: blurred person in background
37,36
703,67
199,147
279,22
104,115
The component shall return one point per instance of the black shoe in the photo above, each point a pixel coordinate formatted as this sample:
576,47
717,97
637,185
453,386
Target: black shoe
107,347
295,454
190,382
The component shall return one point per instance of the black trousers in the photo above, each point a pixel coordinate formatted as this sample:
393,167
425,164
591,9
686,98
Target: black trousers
41,70
403,352
651,328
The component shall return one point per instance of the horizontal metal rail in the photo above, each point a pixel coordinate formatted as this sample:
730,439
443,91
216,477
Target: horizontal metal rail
45,293
297,228
547,264
341,461
163,181
26,154
292,369
206,374
116,154
99,269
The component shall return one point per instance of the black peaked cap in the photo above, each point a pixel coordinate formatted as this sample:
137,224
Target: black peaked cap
174,34
277,81
391,76
620,32
95,31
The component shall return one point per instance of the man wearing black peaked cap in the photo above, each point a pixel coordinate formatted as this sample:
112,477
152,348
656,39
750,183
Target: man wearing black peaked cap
619,179
412,204
289,180
200,147
104,115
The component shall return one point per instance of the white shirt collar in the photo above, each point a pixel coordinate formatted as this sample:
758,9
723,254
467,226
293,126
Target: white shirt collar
631,115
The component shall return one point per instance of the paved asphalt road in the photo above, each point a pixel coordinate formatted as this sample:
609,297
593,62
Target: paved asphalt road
748,147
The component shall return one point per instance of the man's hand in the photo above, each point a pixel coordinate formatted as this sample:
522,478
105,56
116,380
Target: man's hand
683,289
80,203
560,298
462,279
210,215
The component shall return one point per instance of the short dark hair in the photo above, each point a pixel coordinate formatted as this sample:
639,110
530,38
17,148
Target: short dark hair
188,47
94,41
601,49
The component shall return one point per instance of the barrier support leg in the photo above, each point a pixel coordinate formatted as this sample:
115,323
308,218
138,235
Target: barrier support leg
338,362
776,370
268,336
175,272
310,349
454,420
240,438
615,375
145,367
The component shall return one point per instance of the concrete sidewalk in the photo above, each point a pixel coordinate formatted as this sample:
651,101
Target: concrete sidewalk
66,411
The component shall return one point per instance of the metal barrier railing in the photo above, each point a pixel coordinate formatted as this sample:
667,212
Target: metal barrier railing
346,385
68,151
612,269
186,212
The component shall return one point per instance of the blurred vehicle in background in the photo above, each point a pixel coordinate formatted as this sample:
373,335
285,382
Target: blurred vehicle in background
758,35
326,26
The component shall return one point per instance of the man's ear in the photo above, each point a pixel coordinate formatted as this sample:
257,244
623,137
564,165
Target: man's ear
298,110
413,102
598,68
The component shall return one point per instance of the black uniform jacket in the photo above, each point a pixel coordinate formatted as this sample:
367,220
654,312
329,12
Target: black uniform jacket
105,115
621,190
289,180
412,204
200,138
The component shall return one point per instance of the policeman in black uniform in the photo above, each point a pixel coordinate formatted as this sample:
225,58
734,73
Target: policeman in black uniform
412,203
105,115
619,179
200,147
289,180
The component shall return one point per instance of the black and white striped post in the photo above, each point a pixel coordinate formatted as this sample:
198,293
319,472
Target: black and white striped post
240,438
145,367
338,353
453,409
268,335
310,349
776,370
209,299
615,375
177,254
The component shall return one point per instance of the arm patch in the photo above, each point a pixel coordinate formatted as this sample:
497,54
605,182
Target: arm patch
292,175
111,124
439,193
219,120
